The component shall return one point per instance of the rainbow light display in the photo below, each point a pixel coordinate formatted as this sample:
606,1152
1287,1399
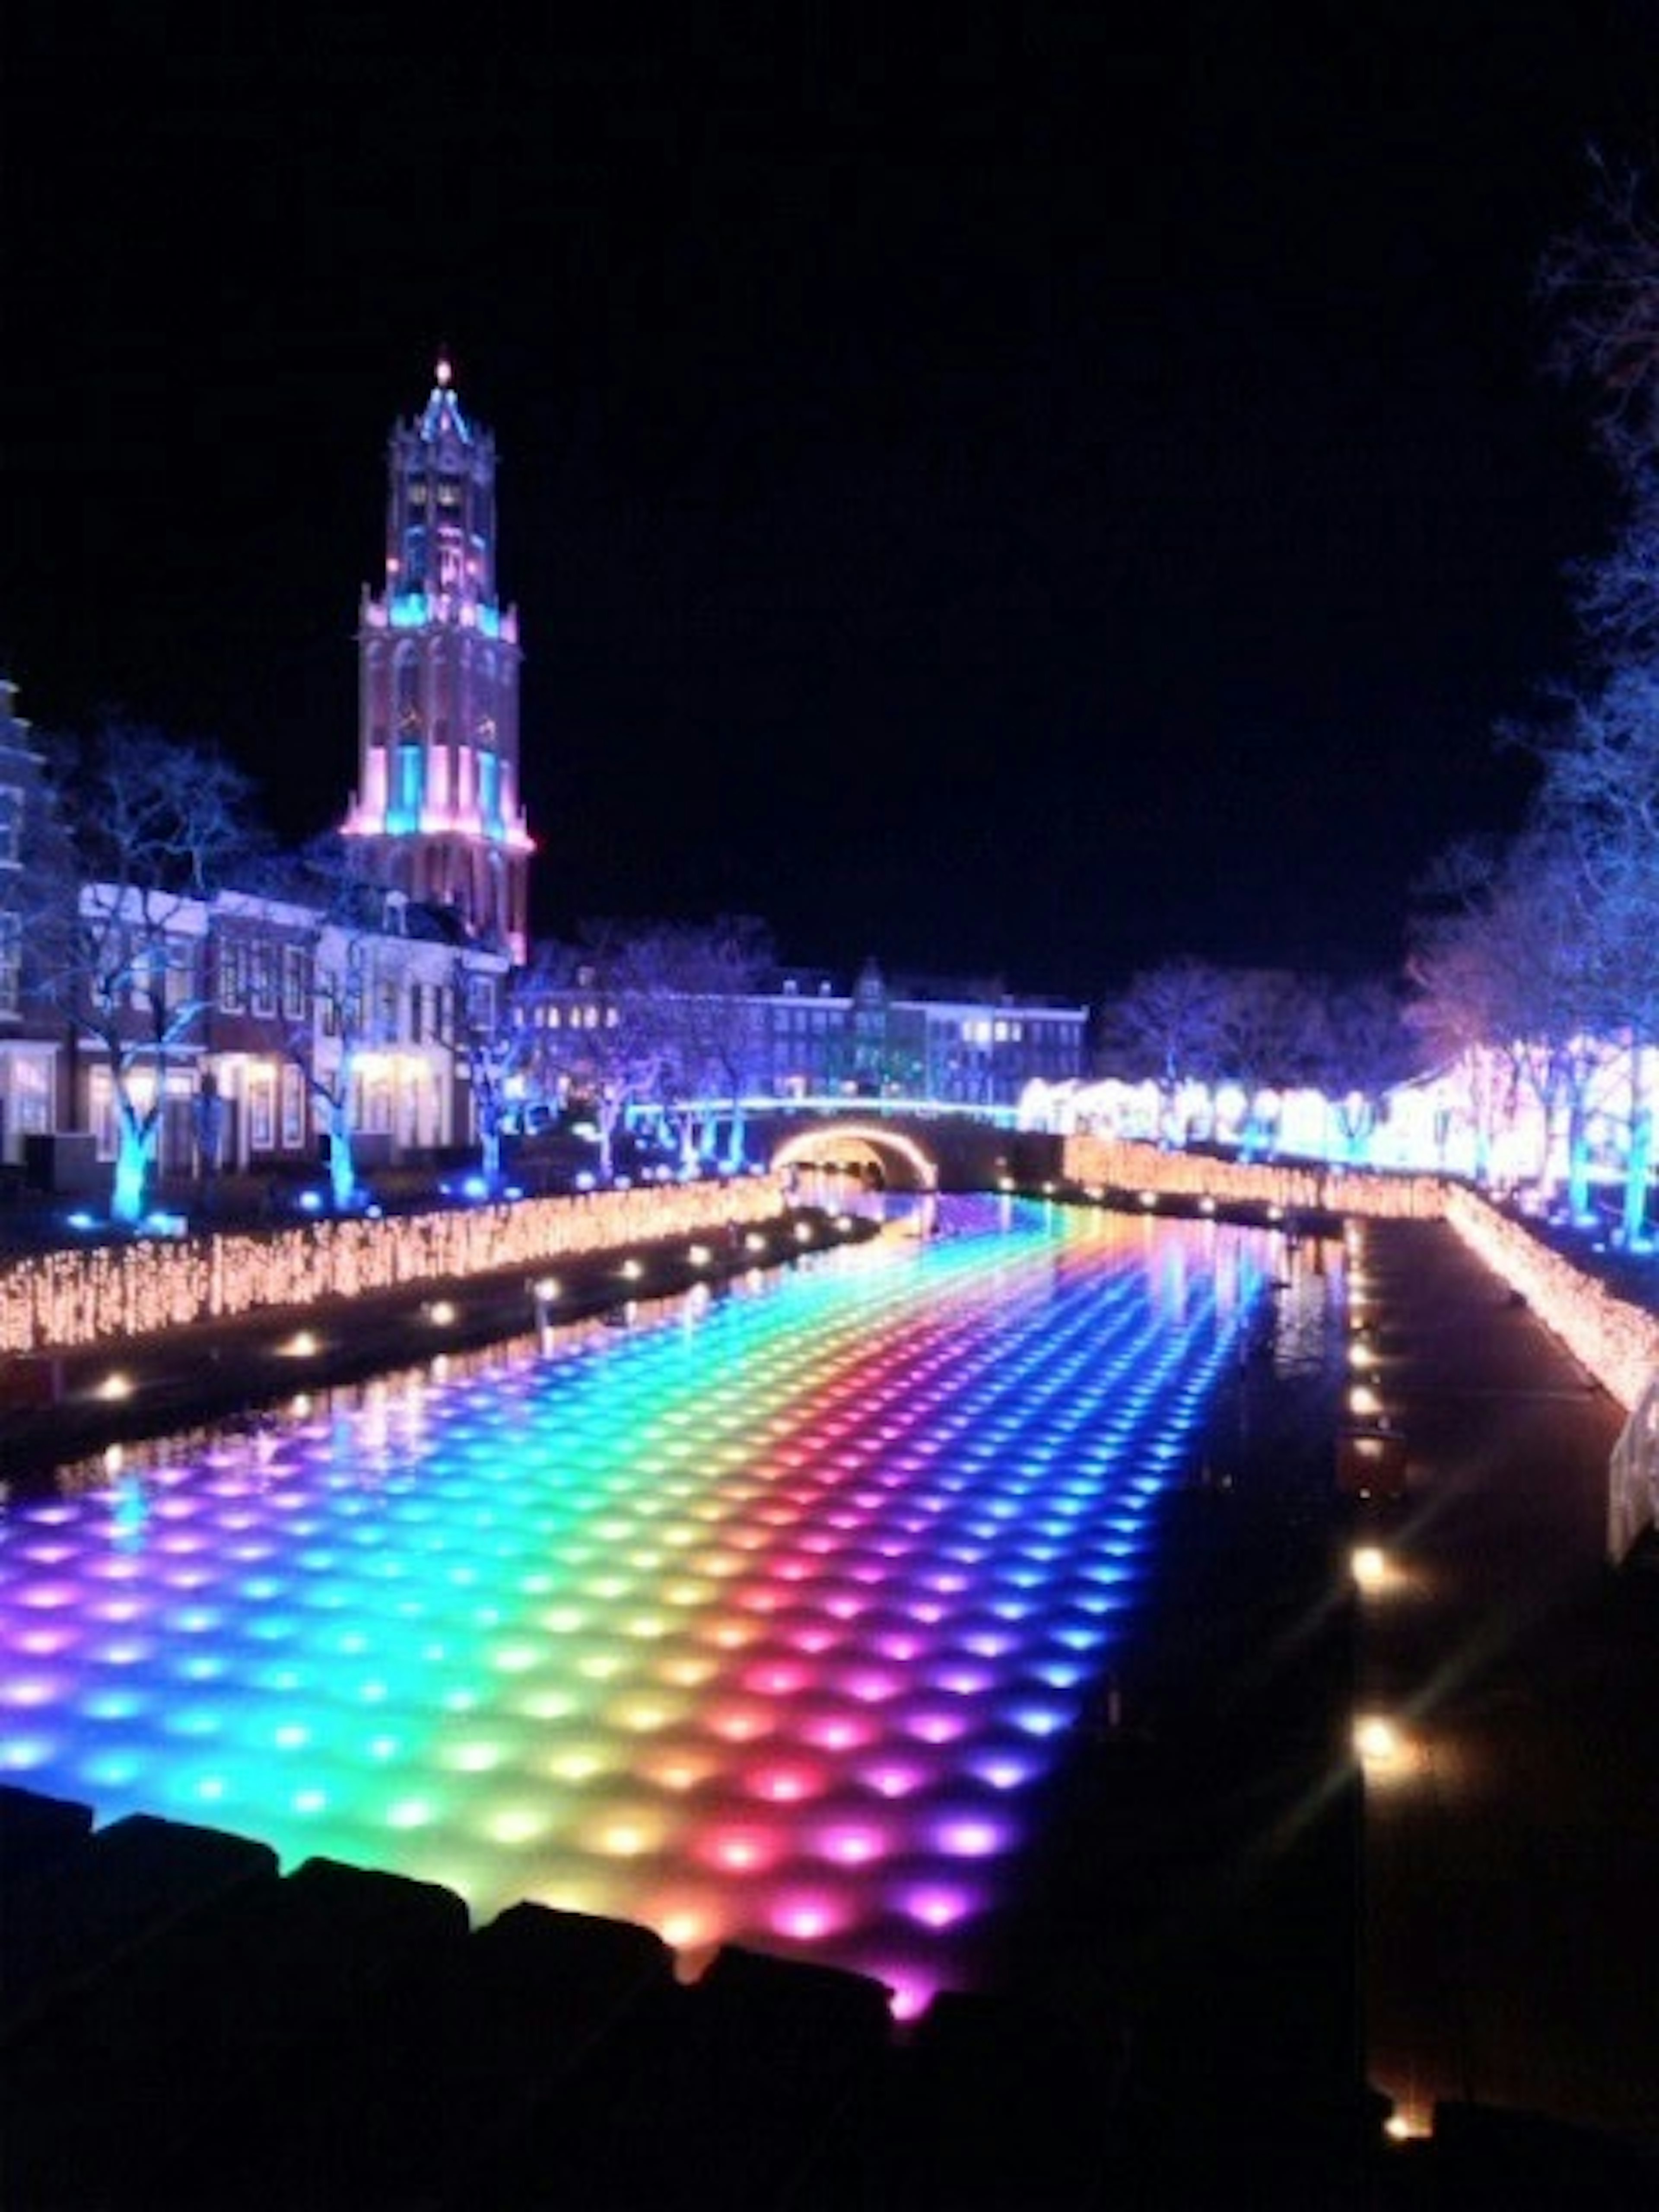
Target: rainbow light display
756,1621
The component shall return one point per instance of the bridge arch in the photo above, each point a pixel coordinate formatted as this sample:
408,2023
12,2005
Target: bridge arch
853,1149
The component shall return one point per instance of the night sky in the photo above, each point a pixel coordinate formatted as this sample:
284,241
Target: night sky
1017,491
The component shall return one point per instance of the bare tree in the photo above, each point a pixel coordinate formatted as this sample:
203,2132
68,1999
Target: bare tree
1269,1029
496,1047
702,979
140,834
1600,284
347,1007
1599,804
618,1051
1358,1049
1165,1024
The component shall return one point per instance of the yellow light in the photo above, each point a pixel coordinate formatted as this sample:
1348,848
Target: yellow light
440,1313
1370,1566
1381,1747
517,1827
1406,2126
302,1345
114,1387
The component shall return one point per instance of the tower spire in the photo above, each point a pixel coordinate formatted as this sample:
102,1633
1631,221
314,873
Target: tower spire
437,800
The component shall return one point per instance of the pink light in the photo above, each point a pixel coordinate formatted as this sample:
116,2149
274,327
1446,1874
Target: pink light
856,1844
936,1727
939,1904
837,1732
786,1785
895,1778
807,1916
740,1849
900,1646
966,1837
872,1689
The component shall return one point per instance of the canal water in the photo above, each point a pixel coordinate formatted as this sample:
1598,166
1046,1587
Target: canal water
759,1616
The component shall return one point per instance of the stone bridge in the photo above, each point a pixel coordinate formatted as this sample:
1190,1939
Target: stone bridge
907,1150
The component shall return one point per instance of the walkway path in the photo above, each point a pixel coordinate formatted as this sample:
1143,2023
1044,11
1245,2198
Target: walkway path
1510,1842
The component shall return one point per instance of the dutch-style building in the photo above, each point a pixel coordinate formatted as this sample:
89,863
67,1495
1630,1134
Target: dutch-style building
437,804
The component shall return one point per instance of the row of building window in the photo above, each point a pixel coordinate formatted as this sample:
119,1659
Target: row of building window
266,980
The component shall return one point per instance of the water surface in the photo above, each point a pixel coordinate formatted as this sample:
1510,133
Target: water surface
761,1619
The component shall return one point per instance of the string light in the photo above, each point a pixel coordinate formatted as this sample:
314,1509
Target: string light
69,1300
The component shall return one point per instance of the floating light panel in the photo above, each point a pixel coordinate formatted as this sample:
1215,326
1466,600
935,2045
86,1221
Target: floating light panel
758,1621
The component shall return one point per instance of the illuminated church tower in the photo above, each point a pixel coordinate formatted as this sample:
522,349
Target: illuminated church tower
437,798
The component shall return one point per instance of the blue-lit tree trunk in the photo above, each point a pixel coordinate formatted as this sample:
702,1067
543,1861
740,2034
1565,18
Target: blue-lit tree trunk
494,1015
342,1154
1355,1117
1578,1158
736,1139
122,864
1639,1158
490,1153
136,1129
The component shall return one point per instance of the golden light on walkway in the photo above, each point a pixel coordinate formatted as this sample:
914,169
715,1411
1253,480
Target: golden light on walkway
1372,1569
1387,1754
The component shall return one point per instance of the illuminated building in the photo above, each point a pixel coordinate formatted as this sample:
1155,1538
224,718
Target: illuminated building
29,1060
269,980
800,1034
437,801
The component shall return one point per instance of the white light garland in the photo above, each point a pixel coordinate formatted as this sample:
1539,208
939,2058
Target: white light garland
65,1300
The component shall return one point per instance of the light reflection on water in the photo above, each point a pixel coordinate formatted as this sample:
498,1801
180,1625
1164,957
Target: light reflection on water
758,1620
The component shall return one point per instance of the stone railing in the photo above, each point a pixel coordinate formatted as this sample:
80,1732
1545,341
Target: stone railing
66,1300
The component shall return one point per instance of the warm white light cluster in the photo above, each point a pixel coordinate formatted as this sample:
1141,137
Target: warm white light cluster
1619,1343
1116,1163
60,1301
